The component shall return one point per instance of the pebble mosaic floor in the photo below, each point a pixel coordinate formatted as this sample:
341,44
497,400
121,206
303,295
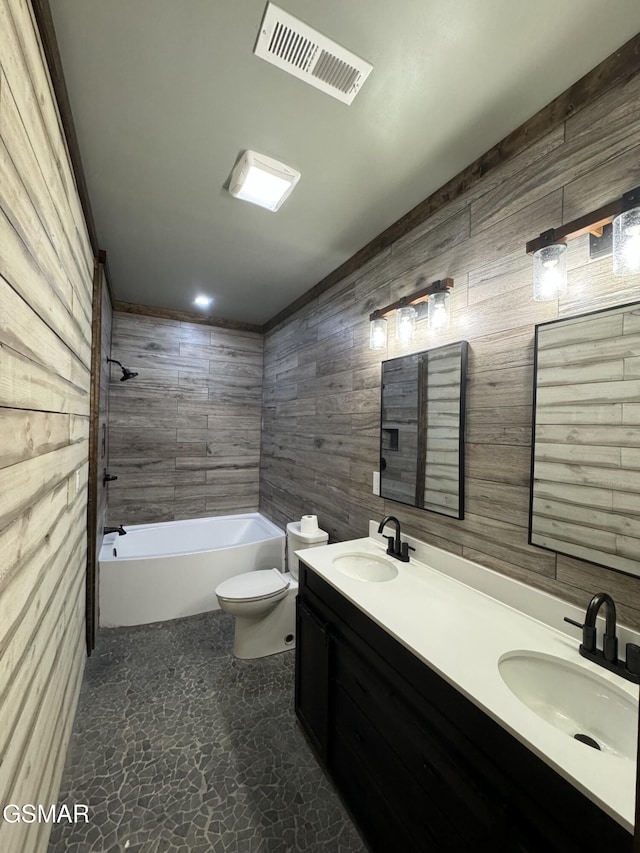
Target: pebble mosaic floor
178,747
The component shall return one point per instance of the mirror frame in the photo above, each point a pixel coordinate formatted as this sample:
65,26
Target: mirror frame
420,462
567,546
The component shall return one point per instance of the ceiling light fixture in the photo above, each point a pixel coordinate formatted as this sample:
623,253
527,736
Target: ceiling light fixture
437,296
262,180
549,250
203,301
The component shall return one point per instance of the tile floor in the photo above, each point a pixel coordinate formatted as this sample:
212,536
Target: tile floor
180,748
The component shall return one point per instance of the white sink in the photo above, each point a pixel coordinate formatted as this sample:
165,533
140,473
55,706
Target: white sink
574,700
365,567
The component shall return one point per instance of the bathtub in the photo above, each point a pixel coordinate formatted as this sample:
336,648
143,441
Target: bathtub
169,570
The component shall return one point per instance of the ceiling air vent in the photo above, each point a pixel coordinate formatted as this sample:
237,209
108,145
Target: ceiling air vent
293,46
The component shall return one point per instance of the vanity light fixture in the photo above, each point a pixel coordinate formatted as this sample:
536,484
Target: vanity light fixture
262,180
437,297
549,250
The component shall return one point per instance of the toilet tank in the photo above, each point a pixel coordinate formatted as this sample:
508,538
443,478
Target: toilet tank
296,540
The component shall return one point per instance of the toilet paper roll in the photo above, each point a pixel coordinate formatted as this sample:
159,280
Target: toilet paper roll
309,524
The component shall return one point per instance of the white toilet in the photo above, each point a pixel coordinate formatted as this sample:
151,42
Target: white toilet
264,601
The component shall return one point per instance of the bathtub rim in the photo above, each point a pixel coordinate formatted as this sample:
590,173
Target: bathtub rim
110,539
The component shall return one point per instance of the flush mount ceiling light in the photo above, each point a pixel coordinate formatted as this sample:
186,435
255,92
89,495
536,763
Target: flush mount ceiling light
262,180
549,250
203,301
408,311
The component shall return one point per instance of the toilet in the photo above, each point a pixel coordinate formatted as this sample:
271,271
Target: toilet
264,601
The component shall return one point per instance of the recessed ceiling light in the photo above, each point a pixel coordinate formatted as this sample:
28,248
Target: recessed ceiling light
202,301
262,180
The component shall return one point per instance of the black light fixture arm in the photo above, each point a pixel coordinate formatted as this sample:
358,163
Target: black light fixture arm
590,223
441,286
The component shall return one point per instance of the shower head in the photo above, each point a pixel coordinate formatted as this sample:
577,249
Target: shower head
126,373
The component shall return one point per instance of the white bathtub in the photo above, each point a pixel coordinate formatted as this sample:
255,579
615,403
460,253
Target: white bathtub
169,570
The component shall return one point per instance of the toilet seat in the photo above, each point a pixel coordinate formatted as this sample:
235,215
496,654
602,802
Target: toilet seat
253,586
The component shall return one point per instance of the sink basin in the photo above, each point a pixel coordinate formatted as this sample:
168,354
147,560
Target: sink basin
575,700
365,567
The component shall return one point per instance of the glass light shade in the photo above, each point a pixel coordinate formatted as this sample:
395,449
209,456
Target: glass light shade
405,324
378,333
626,243
550,272
439,313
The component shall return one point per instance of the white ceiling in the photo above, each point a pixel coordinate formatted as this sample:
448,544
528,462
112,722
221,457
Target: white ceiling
165,94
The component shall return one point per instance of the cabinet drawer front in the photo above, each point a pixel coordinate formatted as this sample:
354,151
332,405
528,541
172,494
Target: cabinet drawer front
380,826
417,808
429,760
312,675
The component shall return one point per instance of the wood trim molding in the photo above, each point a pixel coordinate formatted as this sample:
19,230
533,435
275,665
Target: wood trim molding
621,65
183,316
44,20
94,416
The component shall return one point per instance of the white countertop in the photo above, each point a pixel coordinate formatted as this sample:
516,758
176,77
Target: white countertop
441,604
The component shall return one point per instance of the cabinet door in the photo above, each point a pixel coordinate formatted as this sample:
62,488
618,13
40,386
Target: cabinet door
312,675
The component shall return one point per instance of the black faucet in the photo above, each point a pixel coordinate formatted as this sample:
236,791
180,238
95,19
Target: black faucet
608,657
119,530
395,548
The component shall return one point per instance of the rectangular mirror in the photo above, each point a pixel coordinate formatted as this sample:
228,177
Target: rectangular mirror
585,473
422,429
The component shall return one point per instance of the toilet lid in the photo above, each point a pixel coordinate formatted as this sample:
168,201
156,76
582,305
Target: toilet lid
261,584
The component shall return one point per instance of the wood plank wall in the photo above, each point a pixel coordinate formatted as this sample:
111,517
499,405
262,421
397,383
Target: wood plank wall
184,435
46,269
321,392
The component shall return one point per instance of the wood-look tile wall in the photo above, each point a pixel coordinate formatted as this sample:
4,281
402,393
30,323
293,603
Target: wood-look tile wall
46,270
184,435
321,395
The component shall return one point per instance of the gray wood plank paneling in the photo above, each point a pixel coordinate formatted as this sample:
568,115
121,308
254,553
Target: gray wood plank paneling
46,272
193,411
479,240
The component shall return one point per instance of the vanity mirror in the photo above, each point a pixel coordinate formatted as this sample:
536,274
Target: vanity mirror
585,476
422,429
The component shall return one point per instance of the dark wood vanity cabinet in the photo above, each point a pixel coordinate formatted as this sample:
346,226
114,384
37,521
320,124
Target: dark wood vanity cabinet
419,766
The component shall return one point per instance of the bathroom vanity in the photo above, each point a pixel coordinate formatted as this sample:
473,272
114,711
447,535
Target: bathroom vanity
425,757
